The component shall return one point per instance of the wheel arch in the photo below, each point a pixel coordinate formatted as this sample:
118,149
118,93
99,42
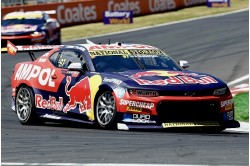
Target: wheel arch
23,84
102,88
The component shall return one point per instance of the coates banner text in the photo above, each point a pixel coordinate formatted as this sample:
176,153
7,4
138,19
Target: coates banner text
117,17
86,11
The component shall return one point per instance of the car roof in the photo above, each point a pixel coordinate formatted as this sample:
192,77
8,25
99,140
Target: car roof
27,15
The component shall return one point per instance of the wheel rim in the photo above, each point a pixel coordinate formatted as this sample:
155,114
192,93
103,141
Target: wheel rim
23,104
105,108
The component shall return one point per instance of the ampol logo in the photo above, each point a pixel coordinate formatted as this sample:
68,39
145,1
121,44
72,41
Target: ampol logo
78,94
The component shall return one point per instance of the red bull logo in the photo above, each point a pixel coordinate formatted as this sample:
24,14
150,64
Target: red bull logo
161,73
78,94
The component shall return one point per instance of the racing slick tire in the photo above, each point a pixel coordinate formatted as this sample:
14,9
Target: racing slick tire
25,106
105,110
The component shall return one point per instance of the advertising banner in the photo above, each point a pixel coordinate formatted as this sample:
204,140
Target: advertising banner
118,17
218,3
87,11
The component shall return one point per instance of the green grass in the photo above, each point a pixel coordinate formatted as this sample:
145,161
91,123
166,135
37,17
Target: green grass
88,30
241,104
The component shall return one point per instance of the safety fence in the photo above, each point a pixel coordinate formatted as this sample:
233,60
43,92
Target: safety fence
87,11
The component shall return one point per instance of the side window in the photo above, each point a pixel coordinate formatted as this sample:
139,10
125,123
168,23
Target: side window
53,58
65,58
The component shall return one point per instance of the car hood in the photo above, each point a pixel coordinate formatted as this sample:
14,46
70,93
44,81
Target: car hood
166,80
18,28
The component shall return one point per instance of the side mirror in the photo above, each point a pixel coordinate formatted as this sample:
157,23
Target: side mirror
183,64
75,66
49,20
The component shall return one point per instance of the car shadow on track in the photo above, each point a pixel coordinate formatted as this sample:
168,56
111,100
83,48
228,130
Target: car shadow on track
198,131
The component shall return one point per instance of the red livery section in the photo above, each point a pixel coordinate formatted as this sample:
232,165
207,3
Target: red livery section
40,76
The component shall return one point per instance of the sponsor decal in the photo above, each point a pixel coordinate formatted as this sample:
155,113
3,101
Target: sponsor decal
75,14
173,78
143,93
133,109
190,124
227,102
147,52
162,73
51,116
73,73
38,47
78,94
51,103
124,5
139,104
11,48
229,115
108,52
112,80
119,92
29,71
117,17
161,5
133,46
137,118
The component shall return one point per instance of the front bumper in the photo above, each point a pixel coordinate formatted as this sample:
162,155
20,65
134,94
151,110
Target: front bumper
22,40
182,125
175,112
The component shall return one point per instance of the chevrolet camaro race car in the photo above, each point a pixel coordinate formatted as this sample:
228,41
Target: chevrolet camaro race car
124,86
29,28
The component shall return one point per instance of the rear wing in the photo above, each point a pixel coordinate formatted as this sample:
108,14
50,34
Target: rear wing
12,49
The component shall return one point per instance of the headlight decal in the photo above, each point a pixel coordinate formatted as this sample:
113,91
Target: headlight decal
221,91
119,92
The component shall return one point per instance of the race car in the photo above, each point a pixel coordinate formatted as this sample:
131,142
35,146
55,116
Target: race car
28,28
117,86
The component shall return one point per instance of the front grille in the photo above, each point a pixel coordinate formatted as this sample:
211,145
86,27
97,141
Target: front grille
187,93
188,111
16,42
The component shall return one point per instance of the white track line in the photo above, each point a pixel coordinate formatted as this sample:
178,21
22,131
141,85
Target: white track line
246,77
94,164
164,24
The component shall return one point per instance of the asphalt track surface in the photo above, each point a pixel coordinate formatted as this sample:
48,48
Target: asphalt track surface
218,46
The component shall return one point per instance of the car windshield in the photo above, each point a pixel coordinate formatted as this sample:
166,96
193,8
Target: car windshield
120,63
21,21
